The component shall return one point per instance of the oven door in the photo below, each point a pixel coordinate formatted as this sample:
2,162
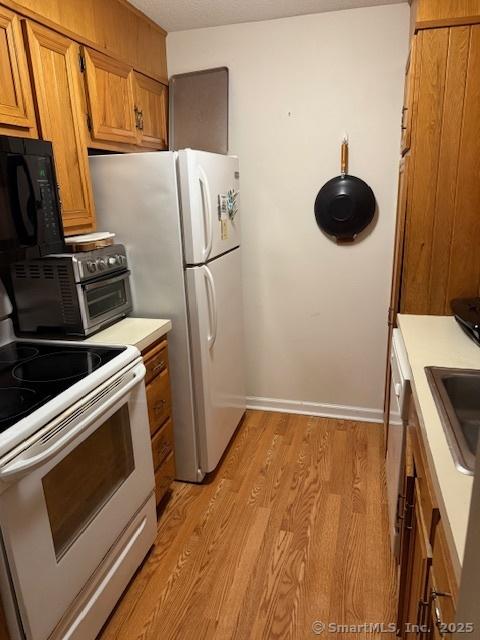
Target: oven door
104,300
71,494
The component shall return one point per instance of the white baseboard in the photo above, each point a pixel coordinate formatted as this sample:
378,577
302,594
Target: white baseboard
341,412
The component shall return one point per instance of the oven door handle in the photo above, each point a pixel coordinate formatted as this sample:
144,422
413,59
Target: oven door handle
25,465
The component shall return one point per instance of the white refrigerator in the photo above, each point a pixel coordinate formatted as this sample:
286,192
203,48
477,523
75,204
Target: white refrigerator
177,215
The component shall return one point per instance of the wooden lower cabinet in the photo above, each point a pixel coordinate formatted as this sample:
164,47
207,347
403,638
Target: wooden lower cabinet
157,380
428,588
412,607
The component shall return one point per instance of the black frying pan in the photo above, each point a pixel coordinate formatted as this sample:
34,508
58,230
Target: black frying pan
345,205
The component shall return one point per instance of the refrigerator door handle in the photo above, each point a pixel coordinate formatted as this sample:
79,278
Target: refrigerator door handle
207,212
212,306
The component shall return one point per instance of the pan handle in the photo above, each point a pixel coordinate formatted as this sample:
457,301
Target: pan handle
344,160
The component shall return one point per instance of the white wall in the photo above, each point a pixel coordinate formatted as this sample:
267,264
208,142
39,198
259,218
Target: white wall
315,312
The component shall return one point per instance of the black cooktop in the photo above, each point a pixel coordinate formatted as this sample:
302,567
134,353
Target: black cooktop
33,373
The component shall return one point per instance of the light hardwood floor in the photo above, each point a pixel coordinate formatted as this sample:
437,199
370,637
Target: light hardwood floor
291,529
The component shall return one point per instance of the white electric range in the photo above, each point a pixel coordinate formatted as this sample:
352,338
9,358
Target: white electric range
77,506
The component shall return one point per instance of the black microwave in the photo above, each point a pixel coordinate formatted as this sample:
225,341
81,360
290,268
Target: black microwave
30,214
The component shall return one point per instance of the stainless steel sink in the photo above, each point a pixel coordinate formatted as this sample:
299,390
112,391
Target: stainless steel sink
457,395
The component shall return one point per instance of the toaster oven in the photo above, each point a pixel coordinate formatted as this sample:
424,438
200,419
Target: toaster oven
72,294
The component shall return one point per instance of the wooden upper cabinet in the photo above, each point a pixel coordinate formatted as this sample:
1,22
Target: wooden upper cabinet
439,13
151,108
441,257
17,116
55,65
114,27
110,98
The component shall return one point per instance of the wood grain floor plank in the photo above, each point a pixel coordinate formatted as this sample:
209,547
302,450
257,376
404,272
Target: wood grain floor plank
291,528
245,566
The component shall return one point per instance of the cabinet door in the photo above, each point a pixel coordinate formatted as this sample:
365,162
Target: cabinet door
54,61
151,105
16,105
109,85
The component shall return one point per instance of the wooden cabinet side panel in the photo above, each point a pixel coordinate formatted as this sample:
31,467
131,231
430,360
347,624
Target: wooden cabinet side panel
432,52
464,273
399,250
54,63
448,171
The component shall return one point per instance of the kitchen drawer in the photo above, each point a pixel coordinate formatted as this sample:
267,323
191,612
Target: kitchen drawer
164,476
156,360
162,444
159,400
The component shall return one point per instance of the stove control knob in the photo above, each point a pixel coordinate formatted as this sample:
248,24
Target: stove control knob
112,261
91,266
119,260
101,264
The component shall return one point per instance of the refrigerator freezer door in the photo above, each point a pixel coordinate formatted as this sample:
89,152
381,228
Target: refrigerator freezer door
209,186
216,326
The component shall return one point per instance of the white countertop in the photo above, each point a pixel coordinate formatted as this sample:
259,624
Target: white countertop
439,341
139,332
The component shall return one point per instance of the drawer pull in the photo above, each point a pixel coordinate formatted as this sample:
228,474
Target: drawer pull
161,365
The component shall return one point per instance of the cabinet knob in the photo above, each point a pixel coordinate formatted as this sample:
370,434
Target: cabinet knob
159,408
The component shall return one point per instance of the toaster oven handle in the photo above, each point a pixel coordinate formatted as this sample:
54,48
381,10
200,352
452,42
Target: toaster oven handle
107,279
22,466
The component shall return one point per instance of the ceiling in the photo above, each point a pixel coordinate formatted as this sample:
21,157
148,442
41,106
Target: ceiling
177,15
